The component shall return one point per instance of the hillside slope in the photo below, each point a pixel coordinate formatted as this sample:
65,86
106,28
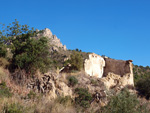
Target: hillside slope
140,72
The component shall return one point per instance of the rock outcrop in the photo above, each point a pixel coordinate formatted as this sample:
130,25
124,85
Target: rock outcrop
94,65
54,42
50,85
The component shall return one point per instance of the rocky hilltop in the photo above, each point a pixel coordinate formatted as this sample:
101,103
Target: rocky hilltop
54,42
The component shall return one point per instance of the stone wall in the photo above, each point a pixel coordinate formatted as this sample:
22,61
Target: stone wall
113,72
119,67
94,65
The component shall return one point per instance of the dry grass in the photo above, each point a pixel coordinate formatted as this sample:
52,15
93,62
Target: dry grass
26,107
3,74
3,62
39,105
54,106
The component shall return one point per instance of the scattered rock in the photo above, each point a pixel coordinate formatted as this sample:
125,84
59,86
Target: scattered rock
112,81
50,85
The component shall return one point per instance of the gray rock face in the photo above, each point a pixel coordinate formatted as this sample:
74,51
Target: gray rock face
53,40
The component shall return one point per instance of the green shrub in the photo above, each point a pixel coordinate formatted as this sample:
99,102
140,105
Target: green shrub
124,102
143,86
13,108
31,54
3,51
4,90
84,97
76,61
140,72
72,80
28,53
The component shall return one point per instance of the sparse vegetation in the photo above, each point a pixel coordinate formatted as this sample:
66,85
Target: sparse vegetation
3,62
3,50
142,80
94,82
84,97
13,108
124,102
3,75
31,95
72,80
66,101
4,90
76,61
143,86
140,72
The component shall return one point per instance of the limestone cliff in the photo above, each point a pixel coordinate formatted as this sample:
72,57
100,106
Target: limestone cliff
54,42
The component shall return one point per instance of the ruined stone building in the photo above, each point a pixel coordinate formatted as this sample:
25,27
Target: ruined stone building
112,72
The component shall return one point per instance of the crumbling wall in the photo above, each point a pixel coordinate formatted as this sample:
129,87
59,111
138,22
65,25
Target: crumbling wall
114,81
119,67
94,65
111,71
118,73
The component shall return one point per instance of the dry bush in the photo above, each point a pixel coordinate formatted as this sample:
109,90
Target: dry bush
63,78
16,105
3,74
3,62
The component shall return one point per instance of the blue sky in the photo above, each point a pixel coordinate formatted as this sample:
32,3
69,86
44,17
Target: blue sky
119,29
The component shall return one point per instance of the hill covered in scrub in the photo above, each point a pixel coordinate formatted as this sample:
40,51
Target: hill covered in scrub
38,74
141,72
